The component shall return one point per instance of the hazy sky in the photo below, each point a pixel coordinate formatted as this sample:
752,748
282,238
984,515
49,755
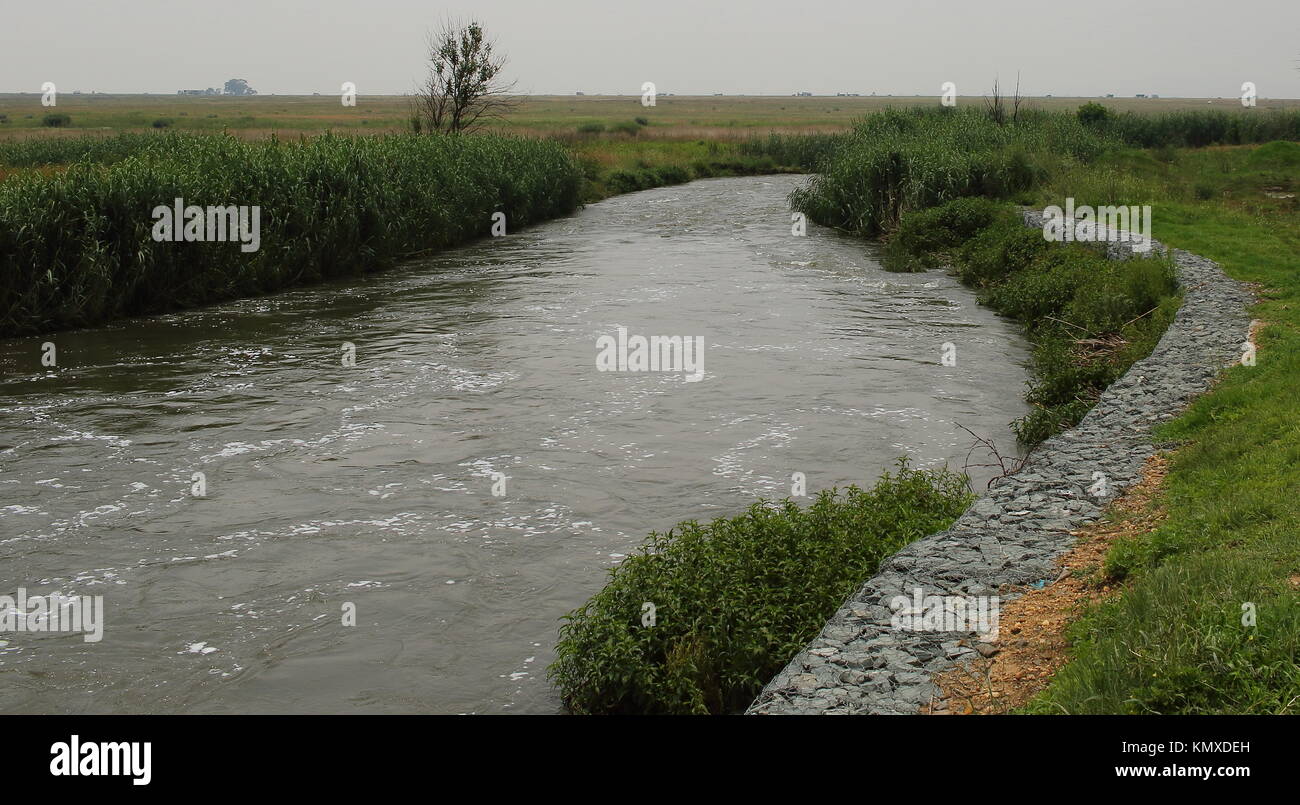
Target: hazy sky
1169,47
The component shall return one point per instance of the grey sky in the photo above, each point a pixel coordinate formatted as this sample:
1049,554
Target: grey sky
1170,47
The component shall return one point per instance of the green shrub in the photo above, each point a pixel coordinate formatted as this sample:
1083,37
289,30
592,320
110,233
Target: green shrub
591,128
1093,114
162,123
1047,285
737,597
996,252
672,174
628,127
938,229
56,120
625,181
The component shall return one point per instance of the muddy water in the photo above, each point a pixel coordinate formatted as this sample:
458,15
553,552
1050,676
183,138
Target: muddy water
374,484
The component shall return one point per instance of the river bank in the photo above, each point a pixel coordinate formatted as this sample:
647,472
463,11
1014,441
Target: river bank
1011,538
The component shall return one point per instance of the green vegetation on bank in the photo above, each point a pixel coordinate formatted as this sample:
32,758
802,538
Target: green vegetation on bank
911,159
614,167
904,160
1208,620
1089,317
76,246
735,598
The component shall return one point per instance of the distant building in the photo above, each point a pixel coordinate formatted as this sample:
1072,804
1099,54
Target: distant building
803,95
579,93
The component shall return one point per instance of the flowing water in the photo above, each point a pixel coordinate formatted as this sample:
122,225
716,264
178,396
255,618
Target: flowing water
374,484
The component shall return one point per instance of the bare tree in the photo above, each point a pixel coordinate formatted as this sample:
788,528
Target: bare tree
464,88
996,108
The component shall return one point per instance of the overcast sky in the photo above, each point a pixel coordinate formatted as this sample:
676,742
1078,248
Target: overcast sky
1192,48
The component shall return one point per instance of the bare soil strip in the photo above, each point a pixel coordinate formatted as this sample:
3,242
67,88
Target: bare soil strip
1031,644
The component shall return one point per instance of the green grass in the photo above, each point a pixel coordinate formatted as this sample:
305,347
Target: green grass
736,598
1174,641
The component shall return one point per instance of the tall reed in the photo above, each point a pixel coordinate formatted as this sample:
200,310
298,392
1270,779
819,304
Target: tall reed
909,159
76,247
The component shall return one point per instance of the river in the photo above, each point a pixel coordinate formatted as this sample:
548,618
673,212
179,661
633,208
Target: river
372,486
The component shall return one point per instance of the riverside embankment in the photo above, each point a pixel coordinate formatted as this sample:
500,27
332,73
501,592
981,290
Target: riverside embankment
1011,536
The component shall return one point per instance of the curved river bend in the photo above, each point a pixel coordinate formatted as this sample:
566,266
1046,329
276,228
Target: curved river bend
374,484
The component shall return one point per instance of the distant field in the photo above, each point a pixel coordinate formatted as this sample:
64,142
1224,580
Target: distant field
673,117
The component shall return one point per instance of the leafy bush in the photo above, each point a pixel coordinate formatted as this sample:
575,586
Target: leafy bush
998,251
56,120
1093,114
938,229
162,123
737,597
672,174
628,127
591,128
626,181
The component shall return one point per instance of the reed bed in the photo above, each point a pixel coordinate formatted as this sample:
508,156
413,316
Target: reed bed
911,159
76,247
1195,128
